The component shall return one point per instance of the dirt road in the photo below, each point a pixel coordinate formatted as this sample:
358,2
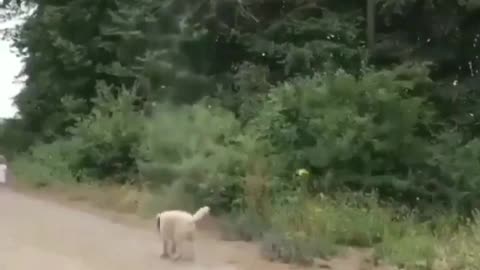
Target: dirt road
39,234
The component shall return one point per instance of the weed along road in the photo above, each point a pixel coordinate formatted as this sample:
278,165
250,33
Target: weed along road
38,234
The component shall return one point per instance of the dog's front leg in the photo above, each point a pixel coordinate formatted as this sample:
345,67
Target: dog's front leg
191,240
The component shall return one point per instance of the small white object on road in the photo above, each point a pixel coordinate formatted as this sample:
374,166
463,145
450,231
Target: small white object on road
3,173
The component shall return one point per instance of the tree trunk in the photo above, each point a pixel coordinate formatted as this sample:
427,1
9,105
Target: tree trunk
371,26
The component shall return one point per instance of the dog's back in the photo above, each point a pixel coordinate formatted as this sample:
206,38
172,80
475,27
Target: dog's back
173,223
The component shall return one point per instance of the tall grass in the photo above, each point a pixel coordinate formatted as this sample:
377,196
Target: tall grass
322,227
319,227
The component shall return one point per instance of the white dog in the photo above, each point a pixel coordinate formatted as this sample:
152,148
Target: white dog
177,227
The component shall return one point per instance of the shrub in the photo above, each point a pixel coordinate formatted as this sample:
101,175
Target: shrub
108,137
244,226
46,163
451,176
346,126
367,133
201,146
100,146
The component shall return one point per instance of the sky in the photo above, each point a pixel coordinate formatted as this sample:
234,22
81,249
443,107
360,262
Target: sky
10,66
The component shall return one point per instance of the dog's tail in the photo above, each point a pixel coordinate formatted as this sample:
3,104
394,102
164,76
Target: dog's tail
158,222
201,213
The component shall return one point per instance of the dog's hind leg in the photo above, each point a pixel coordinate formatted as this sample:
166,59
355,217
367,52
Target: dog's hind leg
173,248
165,251
178,254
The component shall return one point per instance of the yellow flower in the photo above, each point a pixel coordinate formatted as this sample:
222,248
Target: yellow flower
302,172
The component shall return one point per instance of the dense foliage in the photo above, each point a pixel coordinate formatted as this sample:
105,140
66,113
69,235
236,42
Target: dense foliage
208,95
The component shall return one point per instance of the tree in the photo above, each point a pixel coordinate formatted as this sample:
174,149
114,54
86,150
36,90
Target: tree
176,50
371,25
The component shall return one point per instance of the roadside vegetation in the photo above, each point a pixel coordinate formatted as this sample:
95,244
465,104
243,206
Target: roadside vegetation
275,115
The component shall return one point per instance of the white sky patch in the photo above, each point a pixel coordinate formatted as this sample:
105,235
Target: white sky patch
10,67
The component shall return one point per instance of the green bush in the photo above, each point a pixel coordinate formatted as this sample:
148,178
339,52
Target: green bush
243,225
200,146
371,133
108,137
44,164
101,146
348,126
452,175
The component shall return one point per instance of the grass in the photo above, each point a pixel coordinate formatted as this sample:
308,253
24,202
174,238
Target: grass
302,231
323,227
